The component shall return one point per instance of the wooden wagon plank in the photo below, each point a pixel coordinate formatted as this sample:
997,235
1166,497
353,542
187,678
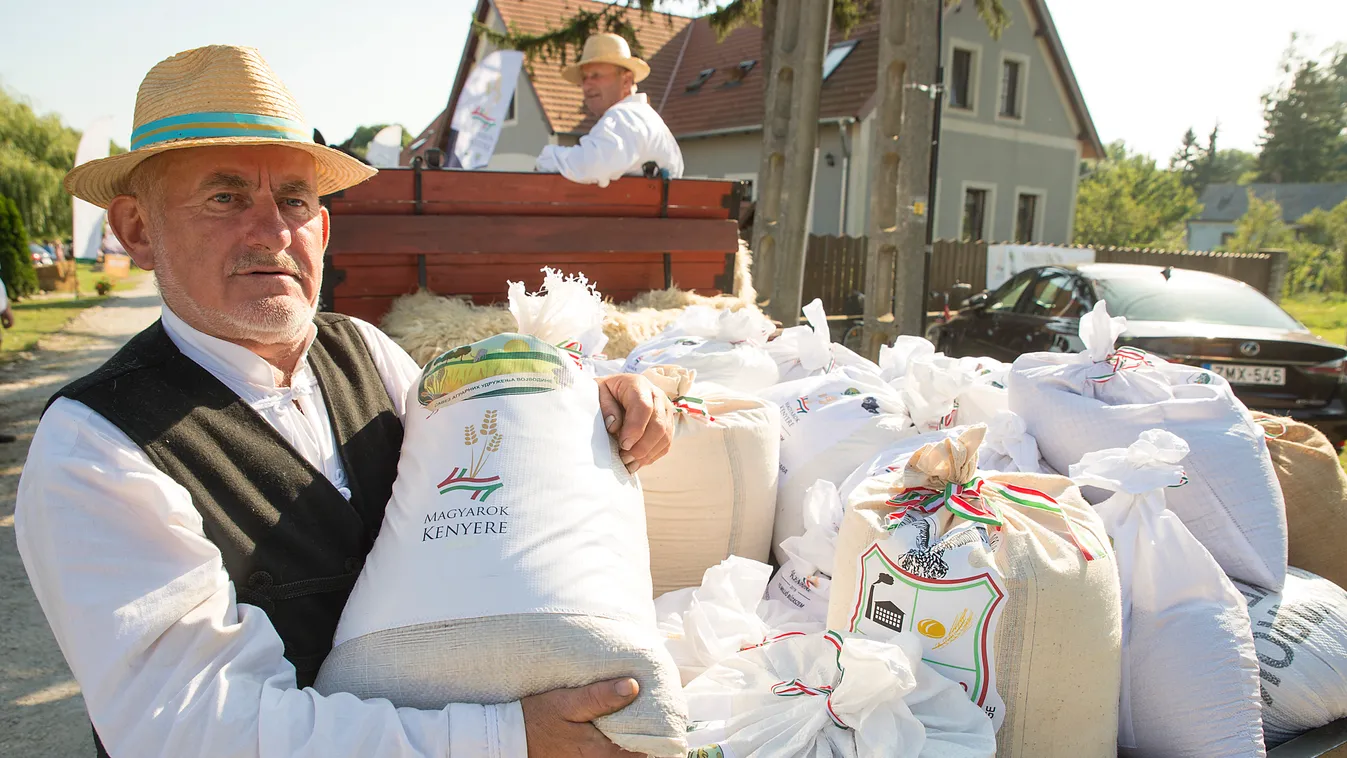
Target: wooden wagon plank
537,234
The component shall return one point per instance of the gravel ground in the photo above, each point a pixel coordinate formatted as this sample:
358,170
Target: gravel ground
41,710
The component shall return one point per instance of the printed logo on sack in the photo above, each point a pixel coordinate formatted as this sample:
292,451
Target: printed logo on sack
468,478
955,611
506,364
710,751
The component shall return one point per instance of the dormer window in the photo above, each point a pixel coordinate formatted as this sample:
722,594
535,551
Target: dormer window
836,55
701,79
735,76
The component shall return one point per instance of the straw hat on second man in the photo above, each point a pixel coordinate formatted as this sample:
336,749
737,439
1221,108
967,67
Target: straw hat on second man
606,48
216,95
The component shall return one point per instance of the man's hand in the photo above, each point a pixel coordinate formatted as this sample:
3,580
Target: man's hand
639,415
7,318
557,722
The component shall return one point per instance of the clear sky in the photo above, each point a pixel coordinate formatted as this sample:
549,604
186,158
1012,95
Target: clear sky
1149,68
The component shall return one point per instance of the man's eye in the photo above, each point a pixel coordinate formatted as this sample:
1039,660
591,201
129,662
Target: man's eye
223,197
295,202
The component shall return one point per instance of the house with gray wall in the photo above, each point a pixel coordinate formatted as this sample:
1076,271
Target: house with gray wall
1014,129
1224,204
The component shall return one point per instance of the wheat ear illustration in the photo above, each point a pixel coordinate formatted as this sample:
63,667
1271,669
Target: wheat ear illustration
492,444
961,624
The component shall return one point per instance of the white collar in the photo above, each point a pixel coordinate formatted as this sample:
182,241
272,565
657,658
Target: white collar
635,97
227,360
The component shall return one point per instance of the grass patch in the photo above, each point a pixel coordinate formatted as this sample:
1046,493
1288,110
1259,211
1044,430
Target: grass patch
48,313
1324,314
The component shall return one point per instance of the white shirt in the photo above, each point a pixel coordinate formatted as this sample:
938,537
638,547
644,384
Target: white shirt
629,134
4,297
145,614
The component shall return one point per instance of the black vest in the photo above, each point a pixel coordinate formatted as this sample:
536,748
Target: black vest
292,545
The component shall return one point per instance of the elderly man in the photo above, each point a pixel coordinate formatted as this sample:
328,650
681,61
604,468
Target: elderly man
193,514
629,134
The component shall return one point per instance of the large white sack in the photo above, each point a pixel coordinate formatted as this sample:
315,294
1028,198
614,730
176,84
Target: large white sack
808,350
1103,398
833,696
803,580
829,425
1190,678
723,347
512,559
1301,637
713,494
939,391
1010,583
706,624
1010,447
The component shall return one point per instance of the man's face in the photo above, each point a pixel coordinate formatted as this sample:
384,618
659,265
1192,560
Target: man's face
604,85
236,240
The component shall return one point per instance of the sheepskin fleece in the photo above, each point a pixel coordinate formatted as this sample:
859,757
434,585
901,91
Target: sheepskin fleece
425,324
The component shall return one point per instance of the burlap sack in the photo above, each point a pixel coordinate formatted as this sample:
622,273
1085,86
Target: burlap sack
512,559
1025,614
714,494
1315,489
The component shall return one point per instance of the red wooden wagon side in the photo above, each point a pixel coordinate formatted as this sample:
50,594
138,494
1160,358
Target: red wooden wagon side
465,233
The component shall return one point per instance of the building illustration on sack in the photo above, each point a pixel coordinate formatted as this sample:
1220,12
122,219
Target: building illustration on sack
468,478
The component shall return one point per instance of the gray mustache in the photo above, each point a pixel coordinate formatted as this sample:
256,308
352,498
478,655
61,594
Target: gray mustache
283,262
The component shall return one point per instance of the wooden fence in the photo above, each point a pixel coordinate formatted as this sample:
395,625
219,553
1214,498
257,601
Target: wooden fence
835,267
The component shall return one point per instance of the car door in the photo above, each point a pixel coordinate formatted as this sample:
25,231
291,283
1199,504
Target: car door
1049,313
986,330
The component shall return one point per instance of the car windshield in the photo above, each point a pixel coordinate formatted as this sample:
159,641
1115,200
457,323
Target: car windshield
1192,298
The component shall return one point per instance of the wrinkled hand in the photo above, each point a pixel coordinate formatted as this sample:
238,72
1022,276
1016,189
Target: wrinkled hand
557,722
639,415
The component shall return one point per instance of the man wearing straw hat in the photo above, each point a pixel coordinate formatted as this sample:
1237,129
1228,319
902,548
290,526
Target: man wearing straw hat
193,514
629,133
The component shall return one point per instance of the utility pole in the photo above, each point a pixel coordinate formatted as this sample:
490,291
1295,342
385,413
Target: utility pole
900,171
789,142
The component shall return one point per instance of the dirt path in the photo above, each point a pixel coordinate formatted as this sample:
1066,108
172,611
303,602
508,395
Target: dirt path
41,711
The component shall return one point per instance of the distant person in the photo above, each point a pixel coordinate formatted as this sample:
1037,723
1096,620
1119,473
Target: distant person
629,133
6,321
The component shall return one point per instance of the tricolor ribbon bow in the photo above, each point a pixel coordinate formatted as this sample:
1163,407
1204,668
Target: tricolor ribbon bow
972,500
692,406
574,350
797,688
1122,359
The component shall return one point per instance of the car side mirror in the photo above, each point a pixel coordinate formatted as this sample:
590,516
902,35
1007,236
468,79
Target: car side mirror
976,302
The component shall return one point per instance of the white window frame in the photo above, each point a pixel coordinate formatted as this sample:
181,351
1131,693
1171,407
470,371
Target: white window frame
989,234
753,177
1023,103
1036,234
974,75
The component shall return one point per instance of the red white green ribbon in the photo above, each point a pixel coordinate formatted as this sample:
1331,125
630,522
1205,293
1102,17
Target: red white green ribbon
694,407
797,688
971,501
770,640
1123,359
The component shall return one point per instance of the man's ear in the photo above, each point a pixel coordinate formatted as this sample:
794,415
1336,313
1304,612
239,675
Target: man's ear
129,221
327,226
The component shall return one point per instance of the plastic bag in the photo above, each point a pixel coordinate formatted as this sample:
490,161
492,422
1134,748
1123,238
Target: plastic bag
804,578
831,695
940,392
1184,623
1105,398
804,351
1010,447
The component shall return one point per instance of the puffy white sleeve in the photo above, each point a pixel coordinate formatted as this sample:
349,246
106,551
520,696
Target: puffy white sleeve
145,615
610,150
4,296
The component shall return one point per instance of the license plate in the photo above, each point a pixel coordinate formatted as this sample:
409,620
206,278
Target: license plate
1237,374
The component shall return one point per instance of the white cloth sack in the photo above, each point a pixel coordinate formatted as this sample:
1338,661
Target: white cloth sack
803,580
1103,398
1190,678
829,424
713,494
808,350
833,696
512,559
724,347
1010,447
1301,637
706,624
939,391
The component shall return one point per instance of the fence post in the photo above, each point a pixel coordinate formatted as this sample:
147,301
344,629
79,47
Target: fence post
1276,280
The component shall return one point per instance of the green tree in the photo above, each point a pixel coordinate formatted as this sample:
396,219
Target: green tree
1261,227
16,265
1327,229
358,144
35,153
1200,166
1303,140
1126,200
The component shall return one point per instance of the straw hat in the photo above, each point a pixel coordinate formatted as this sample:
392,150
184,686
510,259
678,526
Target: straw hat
217,95
606,48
